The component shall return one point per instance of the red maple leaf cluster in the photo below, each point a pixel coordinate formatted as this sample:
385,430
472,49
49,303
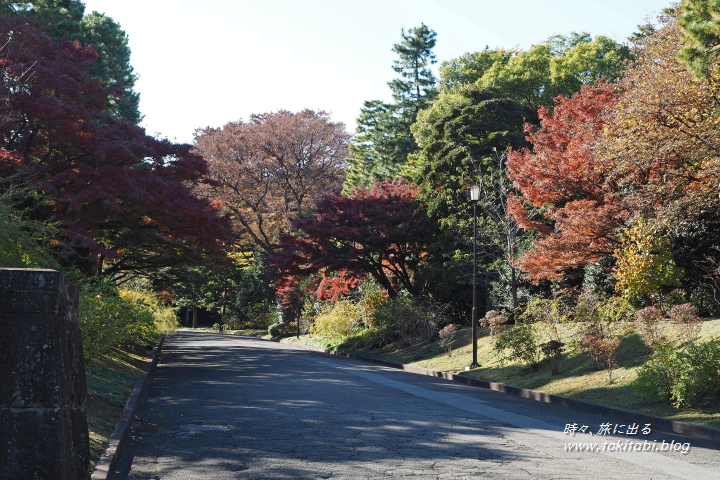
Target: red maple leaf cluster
379,231
118,194
568,195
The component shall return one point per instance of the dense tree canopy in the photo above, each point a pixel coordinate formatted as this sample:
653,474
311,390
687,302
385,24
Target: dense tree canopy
699,21
568,194
121,197
463,138
665,135
664,139
66,20
470,67
558,66
459,137
272,167
379,231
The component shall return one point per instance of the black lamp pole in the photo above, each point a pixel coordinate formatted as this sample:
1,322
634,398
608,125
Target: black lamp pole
474,198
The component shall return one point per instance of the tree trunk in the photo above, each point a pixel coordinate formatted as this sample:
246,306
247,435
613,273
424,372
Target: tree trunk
513,287
195,317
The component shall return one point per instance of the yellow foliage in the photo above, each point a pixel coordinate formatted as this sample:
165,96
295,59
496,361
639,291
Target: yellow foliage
644,261
339,319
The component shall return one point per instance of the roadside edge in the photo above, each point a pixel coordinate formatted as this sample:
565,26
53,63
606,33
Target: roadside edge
666,425
105,467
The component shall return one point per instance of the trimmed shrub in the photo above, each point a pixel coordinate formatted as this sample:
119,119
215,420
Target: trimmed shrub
447,336
494,321
599,348
276,330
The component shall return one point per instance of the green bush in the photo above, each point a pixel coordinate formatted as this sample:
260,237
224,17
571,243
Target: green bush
520,341
166,320
698,382
370,338
110,318
141,309
276,330
615,309
704,297
656,378
686,376
605,311
101,316
23,242
548,314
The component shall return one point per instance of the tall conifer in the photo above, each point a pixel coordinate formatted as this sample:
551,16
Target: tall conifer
383,138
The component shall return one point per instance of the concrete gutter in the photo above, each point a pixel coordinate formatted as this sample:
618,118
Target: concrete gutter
105,468
658,423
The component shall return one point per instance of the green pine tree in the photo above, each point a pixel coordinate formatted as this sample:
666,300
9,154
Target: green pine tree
67,20
383,138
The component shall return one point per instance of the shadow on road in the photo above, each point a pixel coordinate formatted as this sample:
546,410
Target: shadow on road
225,407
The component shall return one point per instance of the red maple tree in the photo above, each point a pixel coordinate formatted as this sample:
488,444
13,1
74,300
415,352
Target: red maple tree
379,231
121,197
567,193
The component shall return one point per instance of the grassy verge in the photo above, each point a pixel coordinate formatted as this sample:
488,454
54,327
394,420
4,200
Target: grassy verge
110,381
252,332
576,378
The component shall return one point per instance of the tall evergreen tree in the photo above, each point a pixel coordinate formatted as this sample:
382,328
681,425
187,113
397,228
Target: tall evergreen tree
66,20
383,138
699,21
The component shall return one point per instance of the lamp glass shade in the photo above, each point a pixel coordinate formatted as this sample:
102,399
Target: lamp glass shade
474,193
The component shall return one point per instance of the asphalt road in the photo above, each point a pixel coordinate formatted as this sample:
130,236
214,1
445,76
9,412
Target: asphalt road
225,407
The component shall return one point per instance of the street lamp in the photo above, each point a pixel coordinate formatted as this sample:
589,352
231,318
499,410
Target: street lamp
474,198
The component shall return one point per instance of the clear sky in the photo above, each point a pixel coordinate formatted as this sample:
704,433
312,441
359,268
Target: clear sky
208,62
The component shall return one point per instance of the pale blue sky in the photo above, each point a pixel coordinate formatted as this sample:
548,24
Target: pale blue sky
206,63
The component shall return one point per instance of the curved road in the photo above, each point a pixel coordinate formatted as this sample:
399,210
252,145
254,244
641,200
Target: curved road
224,407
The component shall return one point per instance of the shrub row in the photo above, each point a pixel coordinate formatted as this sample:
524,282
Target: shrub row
111,318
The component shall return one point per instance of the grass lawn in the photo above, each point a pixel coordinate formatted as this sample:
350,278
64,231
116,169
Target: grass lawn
576,378
110,381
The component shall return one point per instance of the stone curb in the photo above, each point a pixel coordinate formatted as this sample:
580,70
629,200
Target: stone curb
105,467
658,423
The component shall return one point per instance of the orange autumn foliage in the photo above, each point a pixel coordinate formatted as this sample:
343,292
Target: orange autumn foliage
567,195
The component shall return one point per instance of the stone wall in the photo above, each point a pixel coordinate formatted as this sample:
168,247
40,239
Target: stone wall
43,425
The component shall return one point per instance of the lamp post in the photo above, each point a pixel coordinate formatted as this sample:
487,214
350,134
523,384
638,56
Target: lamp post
474,198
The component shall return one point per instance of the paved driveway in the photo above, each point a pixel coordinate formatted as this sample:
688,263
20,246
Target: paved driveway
225,407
